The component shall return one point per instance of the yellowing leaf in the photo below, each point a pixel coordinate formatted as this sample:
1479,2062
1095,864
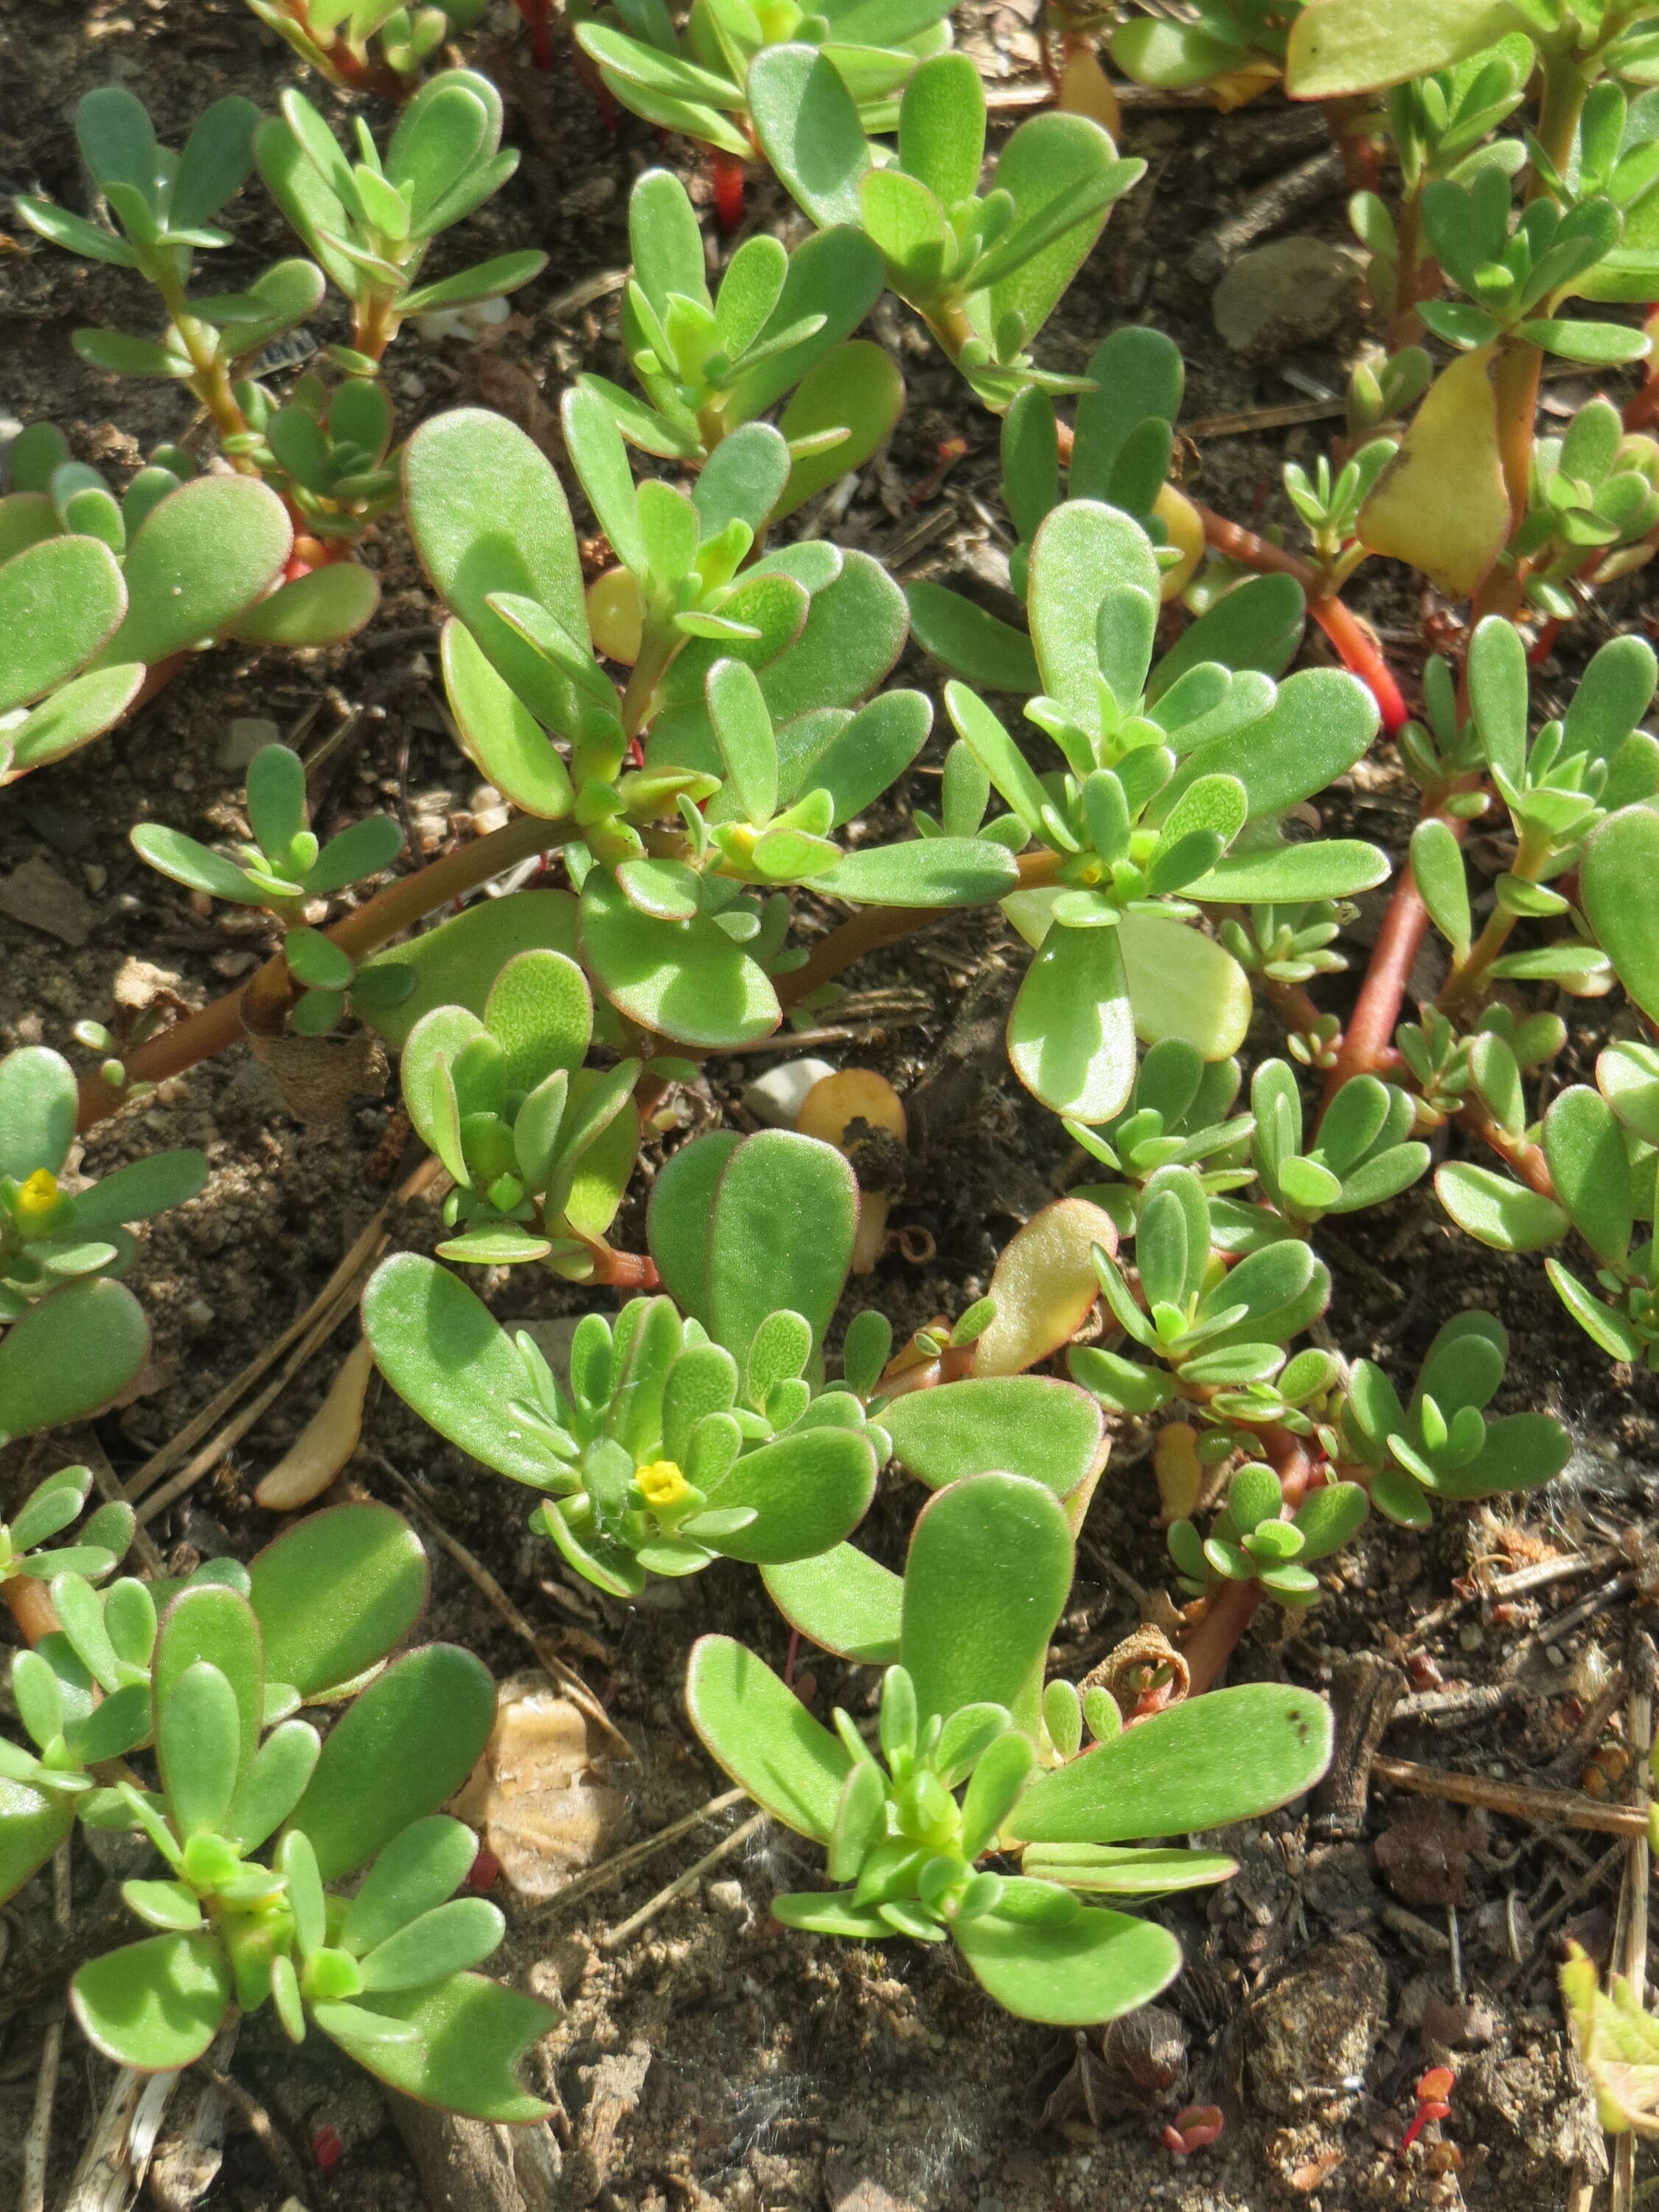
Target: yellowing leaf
326,1442
1618,2044
1343,46
1044,1285
1440,504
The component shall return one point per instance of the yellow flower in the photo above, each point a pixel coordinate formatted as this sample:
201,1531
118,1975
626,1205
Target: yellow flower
37,1195
662,1485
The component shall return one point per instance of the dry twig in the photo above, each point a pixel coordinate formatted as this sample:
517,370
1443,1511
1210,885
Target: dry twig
1550,1809
618,1936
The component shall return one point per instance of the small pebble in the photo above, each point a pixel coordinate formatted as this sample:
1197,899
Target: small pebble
725,1896
246,736
1471,1637
775,1097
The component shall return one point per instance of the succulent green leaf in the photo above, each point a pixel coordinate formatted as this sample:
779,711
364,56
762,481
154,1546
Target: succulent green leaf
1071,1031
154,2005
930,871
198,1743
1616,879
857,388
684,980
33,1823
200,559
807,1491
488,515
778,1237
1029,1424
1095,1967
1339,47
1230,1755
323,608
1589,1164
456,963
809,130
1007,1539
69,1355
61,600
399,1750
444,1353
337,1592
1083,550
764,1737
81,710
38,1102
843,1600
1496,1210
469,2037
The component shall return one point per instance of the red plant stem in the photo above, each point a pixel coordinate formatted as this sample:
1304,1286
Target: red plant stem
1232,1608
1362,656
29,1602
386,915
1355,647
539,15
1528,1160
1367,1044
726,171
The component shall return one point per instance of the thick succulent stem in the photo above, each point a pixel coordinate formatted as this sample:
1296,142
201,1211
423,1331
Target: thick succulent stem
1231,1609
386,915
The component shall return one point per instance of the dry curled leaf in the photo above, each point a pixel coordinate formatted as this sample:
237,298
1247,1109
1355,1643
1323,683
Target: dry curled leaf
326,1442
1045,1286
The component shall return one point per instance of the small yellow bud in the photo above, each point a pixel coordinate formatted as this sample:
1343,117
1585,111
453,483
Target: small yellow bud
37,1195
662,1485
615,616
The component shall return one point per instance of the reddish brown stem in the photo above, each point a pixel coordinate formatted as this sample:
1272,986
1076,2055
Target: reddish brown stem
29,1602
386,915
726,171
1526,1159
1362,656
539,15
1231,1610
1355,647
1368,1042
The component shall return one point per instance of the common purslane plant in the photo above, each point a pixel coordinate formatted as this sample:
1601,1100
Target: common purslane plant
963,1709
97,595
696,734
201,1686
699,82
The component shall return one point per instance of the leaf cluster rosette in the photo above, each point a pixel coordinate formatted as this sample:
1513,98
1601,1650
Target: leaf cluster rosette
282,867
697,1425
748,693
776,328
1175,784
973,1759
985,271
699,81
95,591
74,1337
204,1690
